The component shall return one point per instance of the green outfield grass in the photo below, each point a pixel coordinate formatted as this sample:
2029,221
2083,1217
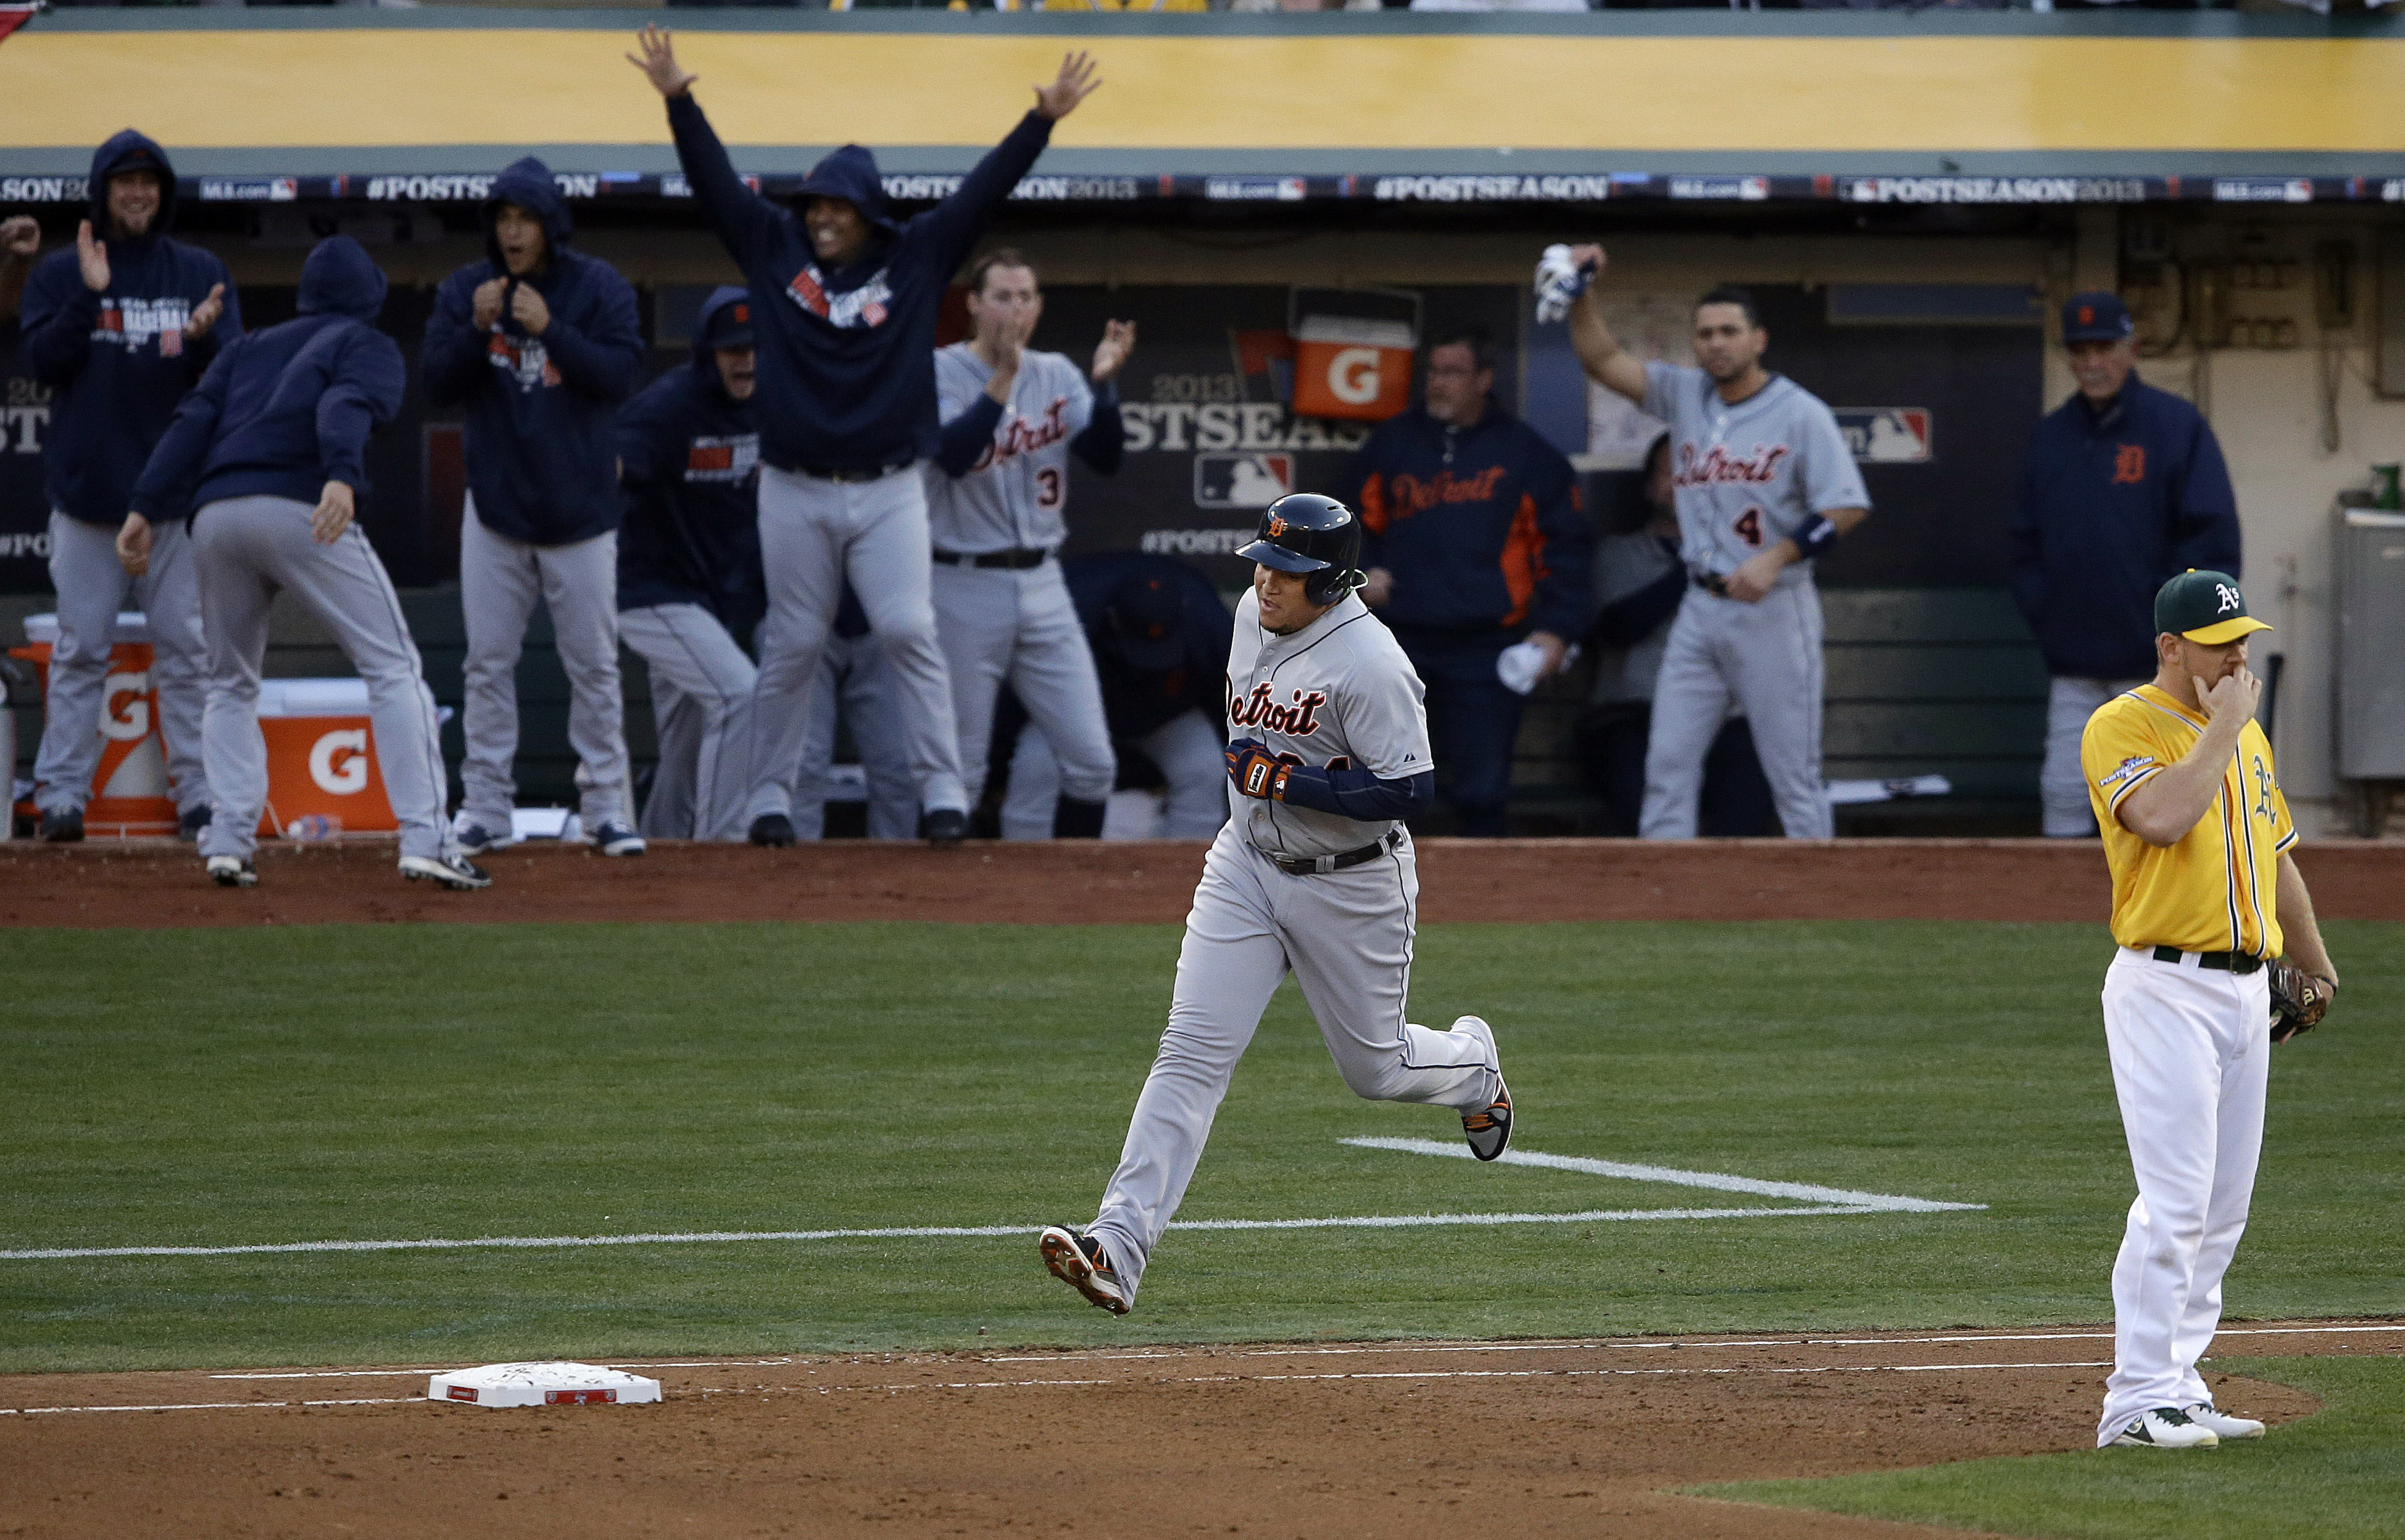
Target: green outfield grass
258,1087
2339,1475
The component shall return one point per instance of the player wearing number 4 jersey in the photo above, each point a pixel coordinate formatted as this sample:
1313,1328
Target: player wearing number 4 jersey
1763,482
2204,896
1314,872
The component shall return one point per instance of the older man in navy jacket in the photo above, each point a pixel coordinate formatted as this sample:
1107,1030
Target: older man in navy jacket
1474,540
2125,489
539,344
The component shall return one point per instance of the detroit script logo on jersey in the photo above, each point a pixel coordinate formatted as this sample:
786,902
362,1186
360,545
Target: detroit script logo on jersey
1717,465
1414,496
1296,717
1020,436
867,305
523,360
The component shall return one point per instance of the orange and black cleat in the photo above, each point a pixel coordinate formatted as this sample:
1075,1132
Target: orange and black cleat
1076,1259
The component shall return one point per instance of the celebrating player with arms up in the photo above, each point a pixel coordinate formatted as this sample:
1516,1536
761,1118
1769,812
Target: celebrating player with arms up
844,300
2204,896
1313,873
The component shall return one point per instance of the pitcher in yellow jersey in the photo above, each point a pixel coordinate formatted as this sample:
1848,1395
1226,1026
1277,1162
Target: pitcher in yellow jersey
2204,893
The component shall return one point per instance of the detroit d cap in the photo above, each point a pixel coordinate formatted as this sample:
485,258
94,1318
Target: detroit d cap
2096,316
2205,606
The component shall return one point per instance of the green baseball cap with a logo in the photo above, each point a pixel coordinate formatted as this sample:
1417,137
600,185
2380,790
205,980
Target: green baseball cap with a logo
2205,606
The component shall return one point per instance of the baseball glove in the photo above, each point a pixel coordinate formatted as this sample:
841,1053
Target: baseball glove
2298,1000
1255,771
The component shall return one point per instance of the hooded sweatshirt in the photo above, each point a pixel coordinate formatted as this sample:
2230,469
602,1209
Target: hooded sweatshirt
285,411
119,360
539,411
846,359
689,456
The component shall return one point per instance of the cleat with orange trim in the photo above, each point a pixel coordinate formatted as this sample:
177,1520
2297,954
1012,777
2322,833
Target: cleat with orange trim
1076,1259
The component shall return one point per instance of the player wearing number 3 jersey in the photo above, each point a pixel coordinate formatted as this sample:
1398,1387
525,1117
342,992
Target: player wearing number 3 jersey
1312,873
1763,482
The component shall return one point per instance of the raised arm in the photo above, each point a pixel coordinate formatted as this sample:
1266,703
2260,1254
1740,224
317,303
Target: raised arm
745,221
1599,352
1103,443
954,223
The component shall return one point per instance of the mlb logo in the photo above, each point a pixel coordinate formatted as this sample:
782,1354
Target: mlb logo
1887,435
1242,481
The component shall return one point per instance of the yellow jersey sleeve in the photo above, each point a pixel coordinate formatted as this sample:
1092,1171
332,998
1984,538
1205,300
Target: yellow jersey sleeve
2119,751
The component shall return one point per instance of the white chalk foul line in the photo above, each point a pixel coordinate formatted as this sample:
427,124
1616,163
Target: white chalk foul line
1820,1201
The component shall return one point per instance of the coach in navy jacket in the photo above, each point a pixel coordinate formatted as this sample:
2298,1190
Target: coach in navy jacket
2125,488
1474,537
120,326
538,343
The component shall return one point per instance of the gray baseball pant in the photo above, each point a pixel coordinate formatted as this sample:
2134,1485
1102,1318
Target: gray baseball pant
853,676
813,533
1001,626
499,581
1347,937
1189,752
2063,785
1766,657
701,704
93,586
247,550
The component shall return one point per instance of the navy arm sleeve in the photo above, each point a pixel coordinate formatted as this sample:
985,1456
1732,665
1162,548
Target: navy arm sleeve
606,361
1104,443
59,314
1359,793
364,393
746,223
964,439
1563,559
168,477
952,225
452,355
2205,511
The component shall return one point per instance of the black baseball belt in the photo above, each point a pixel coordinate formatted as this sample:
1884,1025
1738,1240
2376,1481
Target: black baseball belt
1307,866
1016,559
829,474
2240,963
1710,582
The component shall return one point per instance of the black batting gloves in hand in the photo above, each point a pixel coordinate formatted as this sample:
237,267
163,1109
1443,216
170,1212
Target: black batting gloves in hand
1257,772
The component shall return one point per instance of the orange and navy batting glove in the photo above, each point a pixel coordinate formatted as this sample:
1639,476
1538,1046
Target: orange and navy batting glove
1255,771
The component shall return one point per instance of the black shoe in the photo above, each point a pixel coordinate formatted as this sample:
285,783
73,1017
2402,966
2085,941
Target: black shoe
773,830
944,827
195,819
1076,1259
63,826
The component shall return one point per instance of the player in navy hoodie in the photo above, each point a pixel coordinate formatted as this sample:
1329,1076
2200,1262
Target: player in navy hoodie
120,328
1473,539
844,299
539,344
275,437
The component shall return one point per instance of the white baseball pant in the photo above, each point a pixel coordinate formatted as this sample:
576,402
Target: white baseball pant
1019,628
2063,785
1765,656
853,676
701,708
1189,752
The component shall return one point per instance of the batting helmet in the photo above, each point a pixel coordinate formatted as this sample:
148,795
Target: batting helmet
1304,532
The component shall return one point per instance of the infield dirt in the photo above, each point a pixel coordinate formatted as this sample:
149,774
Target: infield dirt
1291,1442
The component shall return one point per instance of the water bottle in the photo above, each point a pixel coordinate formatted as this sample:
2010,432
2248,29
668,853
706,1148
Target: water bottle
314,826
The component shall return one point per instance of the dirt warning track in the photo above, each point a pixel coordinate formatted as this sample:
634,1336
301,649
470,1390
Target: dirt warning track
151,884
1384,1439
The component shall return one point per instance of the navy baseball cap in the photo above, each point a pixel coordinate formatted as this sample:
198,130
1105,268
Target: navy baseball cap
2096,316
2205,606
1147,621
728,319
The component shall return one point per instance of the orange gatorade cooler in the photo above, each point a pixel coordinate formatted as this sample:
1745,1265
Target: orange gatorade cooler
1353,351
322,778
129,787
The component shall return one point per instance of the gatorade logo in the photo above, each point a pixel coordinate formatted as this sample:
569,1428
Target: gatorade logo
1352,375
126,716
338,762
2229,599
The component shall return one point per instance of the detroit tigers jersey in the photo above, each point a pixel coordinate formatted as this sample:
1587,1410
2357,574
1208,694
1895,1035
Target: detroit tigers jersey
1013,497
2216,888
1338,693
1749,475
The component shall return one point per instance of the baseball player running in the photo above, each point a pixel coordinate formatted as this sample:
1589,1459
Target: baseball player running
120,327
275,434
1313,871
1763,484
844,299
1012,417
2205,894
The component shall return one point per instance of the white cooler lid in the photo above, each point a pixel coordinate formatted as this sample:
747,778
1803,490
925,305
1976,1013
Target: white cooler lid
131,627
313,698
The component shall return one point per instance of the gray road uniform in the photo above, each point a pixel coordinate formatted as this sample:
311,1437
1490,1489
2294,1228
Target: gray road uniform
1337,694
1746,476
1003,612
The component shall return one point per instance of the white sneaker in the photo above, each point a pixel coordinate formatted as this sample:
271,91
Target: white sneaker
2222,1424
2167,1428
